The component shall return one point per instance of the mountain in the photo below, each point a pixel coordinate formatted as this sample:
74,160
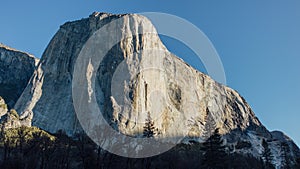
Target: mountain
16,68
181,101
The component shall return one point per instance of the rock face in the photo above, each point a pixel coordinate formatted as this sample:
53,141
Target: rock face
16,68
179,98
186,93
3,107
11,119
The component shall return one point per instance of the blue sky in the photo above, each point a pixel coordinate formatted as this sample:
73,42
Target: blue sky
258,42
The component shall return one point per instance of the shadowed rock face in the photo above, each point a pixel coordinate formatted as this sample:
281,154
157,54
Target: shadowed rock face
16,68
176,95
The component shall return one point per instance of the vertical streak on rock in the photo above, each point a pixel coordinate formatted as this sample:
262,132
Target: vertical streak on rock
146,94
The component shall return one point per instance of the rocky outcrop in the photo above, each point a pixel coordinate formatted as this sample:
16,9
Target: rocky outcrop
11,119
3,107
16,68
179,98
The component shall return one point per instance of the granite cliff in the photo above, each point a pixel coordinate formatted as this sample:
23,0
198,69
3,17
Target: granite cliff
178,97
16,68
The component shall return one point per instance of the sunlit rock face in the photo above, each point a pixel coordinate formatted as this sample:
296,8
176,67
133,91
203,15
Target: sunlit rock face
175,94
3,107
16,68
178,98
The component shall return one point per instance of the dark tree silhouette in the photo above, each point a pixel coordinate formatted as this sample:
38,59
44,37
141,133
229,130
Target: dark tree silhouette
214,152
210,125
85,147
149,129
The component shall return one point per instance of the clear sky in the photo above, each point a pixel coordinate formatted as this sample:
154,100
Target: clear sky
258,42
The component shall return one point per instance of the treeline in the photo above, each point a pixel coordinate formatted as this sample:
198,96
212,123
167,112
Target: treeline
32,148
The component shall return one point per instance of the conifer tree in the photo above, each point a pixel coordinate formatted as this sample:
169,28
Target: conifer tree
210,125
214,152
149,129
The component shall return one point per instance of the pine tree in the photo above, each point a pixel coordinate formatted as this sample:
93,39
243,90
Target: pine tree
210,124
267,155
214,152
149,129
